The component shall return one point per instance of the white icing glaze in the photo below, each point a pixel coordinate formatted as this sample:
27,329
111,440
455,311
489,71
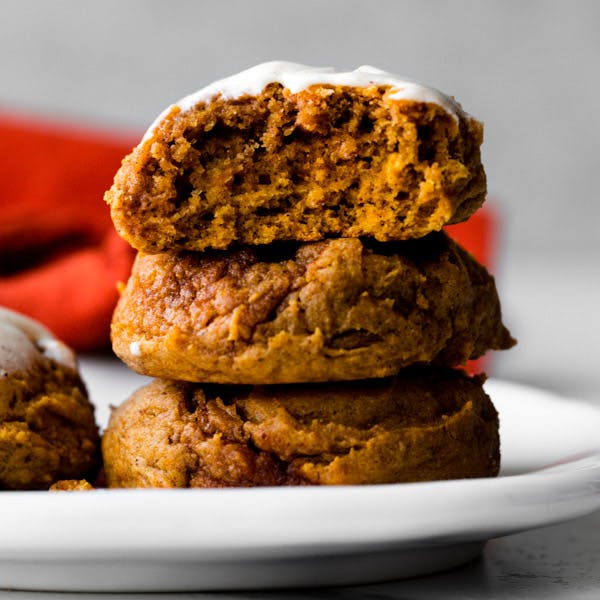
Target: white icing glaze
296,77
57,351
135,349
22,340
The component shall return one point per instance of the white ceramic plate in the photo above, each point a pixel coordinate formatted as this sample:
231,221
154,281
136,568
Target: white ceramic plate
158,540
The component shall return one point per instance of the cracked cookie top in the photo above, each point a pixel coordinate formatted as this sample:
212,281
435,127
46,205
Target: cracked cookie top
290,312
424,424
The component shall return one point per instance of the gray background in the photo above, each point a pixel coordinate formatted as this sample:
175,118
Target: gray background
529,69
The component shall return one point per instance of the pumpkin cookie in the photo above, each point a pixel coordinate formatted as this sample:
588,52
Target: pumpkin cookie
288,152
423,424
338,309
47,427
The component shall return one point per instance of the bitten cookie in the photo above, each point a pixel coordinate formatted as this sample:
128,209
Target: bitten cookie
338,309
288,152
47,427
424,424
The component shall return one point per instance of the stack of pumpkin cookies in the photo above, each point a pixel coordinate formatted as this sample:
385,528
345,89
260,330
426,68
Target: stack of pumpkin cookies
294,294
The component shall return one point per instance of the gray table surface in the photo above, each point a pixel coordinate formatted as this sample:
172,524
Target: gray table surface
562,561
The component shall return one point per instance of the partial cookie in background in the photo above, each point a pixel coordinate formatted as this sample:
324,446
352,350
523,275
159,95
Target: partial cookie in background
338,309
288,152
47,426
424,424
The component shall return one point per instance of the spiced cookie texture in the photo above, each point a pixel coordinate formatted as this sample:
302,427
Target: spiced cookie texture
294,293
47,427
424,424
333,310
288,152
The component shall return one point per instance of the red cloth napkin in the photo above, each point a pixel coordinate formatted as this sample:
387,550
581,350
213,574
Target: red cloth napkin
60,259
478,235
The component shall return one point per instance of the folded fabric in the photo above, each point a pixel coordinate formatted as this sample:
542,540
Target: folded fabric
60,259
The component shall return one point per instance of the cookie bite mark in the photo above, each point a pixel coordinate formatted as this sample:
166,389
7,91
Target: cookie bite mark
285,152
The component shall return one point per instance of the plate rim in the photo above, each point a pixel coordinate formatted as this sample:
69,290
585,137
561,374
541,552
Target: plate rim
482,509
